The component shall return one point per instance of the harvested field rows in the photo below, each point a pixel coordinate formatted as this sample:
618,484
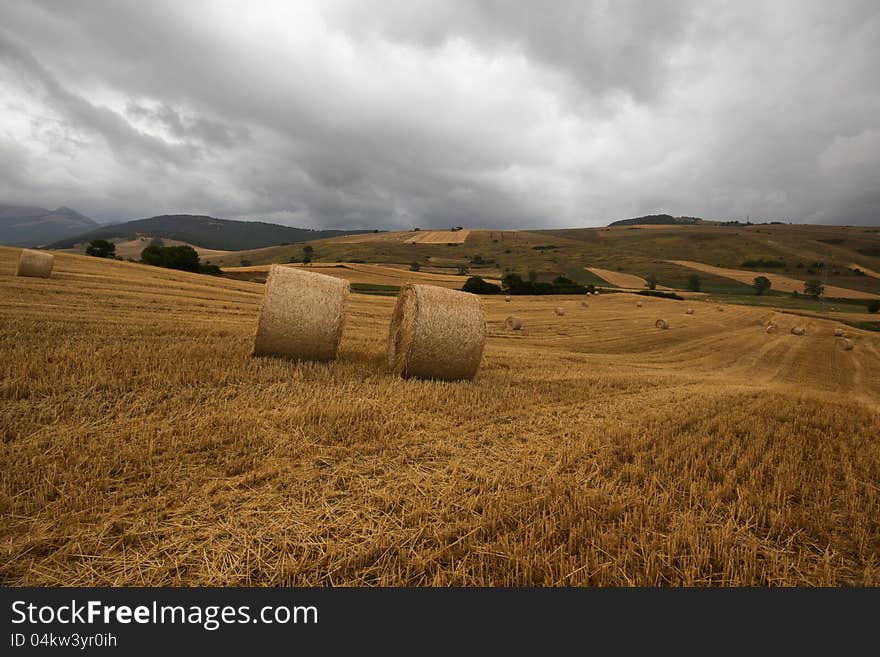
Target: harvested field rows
143,445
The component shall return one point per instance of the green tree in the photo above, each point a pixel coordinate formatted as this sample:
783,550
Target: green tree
814,287
874,306
533,276
101,249
308,249
694,283
414,266
463,270
761,284
651,282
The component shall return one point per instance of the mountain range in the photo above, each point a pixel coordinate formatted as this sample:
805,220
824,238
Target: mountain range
34,226
203,231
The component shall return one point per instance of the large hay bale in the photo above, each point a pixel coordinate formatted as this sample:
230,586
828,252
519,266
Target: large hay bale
638,304
507,298
838,333
302,315
436,333
559,310
721,309
771,328
37,264
798,330
689,311
513,323
661,324
847,344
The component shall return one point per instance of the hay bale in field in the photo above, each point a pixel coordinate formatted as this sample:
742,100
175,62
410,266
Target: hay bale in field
721,309
847,344
838,333
302,315
507,298
585,304
661,324
638,304
436,333
513,323
559,310
689,311
37,264
771,328
798,330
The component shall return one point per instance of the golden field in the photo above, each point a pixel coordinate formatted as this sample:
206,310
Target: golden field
143,445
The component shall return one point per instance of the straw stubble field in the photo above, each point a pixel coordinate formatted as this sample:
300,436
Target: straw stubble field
142,445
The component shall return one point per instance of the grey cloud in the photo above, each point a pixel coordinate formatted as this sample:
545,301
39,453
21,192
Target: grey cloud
446,112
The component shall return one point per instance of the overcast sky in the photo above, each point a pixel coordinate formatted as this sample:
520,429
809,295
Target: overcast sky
403,113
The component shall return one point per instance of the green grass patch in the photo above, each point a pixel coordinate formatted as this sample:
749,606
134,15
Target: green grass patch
375,288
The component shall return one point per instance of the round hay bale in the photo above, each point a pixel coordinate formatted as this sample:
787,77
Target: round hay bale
689,311
838,333
436,333
37,264
507,298
559,310
638,304
585,304
771,328
301,316
847,344
798,330
721,309
661,324
513,323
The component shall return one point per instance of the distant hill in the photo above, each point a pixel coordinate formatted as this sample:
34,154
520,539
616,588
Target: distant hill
658,219
33,226
206,232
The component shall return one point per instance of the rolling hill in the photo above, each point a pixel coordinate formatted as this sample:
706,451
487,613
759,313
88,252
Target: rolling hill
207,232
143,445
797,252
34,226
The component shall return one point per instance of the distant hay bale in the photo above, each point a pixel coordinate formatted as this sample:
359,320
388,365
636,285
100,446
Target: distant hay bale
661,324
838,332
559,310
689,311
37,264
301,316
638,304
595,292
771,328
798,330
585,304
436,333
513,323
721,309
507,298
847,344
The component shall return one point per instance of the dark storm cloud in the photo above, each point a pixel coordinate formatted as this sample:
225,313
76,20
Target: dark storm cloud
442,113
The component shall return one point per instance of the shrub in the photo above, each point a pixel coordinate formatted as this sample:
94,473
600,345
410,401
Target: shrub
476,285
814,287
414,266
101,249
765,264
874,305
183,258
658,293
761,284
651,282
694,283
463,270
